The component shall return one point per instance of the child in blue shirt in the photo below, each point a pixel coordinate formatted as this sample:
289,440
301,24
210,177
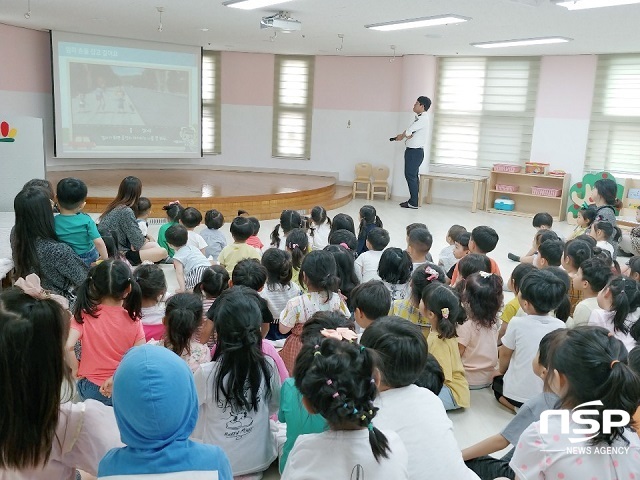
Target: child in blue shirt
75,228
156,408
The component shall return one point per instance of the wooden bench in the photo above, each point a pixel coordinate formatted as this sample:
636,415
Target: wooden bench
479,187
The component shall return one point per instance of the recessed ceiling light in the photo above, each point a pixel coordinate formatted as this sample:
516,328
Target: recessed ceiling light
204,29
585,4
252,4
418,22
522,42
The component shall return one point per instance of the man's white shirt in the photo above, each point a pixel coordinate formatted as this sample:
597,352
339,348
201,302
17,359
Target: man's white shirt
419,131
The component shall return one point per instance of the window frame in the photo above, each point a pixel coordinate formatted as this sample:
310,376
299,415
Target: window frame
212,108
280,109
476,122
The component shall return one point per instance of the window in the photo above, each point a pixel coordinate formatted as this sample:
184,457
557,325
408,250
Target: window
211,102
614,132
292,106
484,111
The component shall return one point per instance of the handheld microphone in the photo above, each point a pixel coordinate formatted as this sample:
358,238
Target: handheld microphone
392,139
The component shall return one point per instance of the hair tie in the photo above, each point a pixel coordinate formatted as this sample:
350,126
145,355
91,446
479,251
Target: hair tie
362,348
373,380
431,274
485,274
613,363
317,352
329,382
31,286
175,202
355,411
445,313
335,395
293,245
370,427
345,246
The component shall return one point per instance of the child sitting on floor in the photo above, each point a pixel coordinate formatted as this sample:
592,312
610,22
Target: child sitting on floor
418,246
541,221
540,293
182,319
279,287
441,307
591,277
409,308
472,263
214,281
549,254
153,287
369,301
340,385
619,310
607,235
188,261
483,240
152,387
174,210
253,240
394,270
460,250
215,239
241,229
368,221
410,228
366,265
586,365
191,218
414,413
477,457
478,336
144,210
586,216
319,228
447,259
576,252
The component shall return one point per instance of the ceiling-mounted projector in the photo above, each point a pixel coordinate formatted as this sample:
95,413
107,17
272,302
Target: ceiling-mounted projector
281,21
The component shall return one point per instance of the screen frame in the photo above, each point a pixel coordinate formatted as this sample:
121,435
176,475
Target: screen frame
56,37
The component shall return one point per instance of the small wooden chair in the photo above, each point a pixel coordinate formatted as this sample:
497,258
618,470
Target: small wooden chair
363,177
380,185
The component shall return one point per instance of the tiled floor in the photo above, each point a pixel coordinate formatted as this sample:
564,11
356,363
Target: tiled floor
485,417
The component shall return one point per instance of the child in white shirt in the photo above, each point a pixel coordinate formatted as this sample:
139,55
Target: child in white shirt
340,385
591,277
585,365
320,228
606,235
540,292
191,218
619,310
414,413
188,261
366,265
447,259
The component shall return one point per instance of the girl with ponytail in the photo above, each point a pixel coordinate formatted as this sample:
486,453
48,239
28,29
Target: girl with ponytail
368,221
478,336
586,364
619,310
182,319
279,288
240,389
289,219
320,228
106,322
340,383
319,274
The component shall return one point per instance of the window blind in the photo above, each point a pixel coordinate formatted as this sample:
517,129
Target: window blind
484,110
614,131
292,106
211,102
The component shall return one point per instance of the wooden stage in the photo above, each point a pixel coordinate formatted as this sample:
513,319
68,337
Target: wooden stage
263,195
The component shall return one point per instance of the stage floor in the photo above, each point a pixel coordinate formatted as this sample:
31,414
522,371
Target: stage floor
195,183
264,195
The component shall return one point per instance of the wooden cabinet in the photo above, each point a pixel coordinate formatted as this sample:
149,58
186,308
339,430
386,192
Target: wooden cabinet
526,203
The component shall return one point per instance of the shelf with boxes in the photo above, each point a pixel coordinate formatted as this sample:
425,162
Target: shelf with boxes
513,192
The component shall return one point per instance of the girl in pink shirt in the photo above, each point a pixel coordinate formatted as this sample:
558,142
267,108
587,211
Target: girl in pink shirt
106,322
478,336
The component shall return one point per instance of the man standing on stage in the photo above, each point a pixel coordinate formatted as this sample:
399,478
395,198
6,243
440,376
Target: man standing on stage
416,137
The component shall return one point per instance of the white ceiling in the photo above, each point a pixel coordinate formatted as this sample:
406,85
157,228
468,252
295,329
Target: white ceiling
603,30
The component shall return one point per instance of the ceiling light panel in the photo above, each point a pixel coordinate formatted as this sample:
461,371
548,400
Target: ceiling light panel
252,4
521,42
586,4
418,22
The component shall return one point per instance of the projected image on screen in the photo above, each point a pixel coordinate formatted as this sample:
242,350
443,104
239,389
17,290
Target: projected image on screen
117,101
